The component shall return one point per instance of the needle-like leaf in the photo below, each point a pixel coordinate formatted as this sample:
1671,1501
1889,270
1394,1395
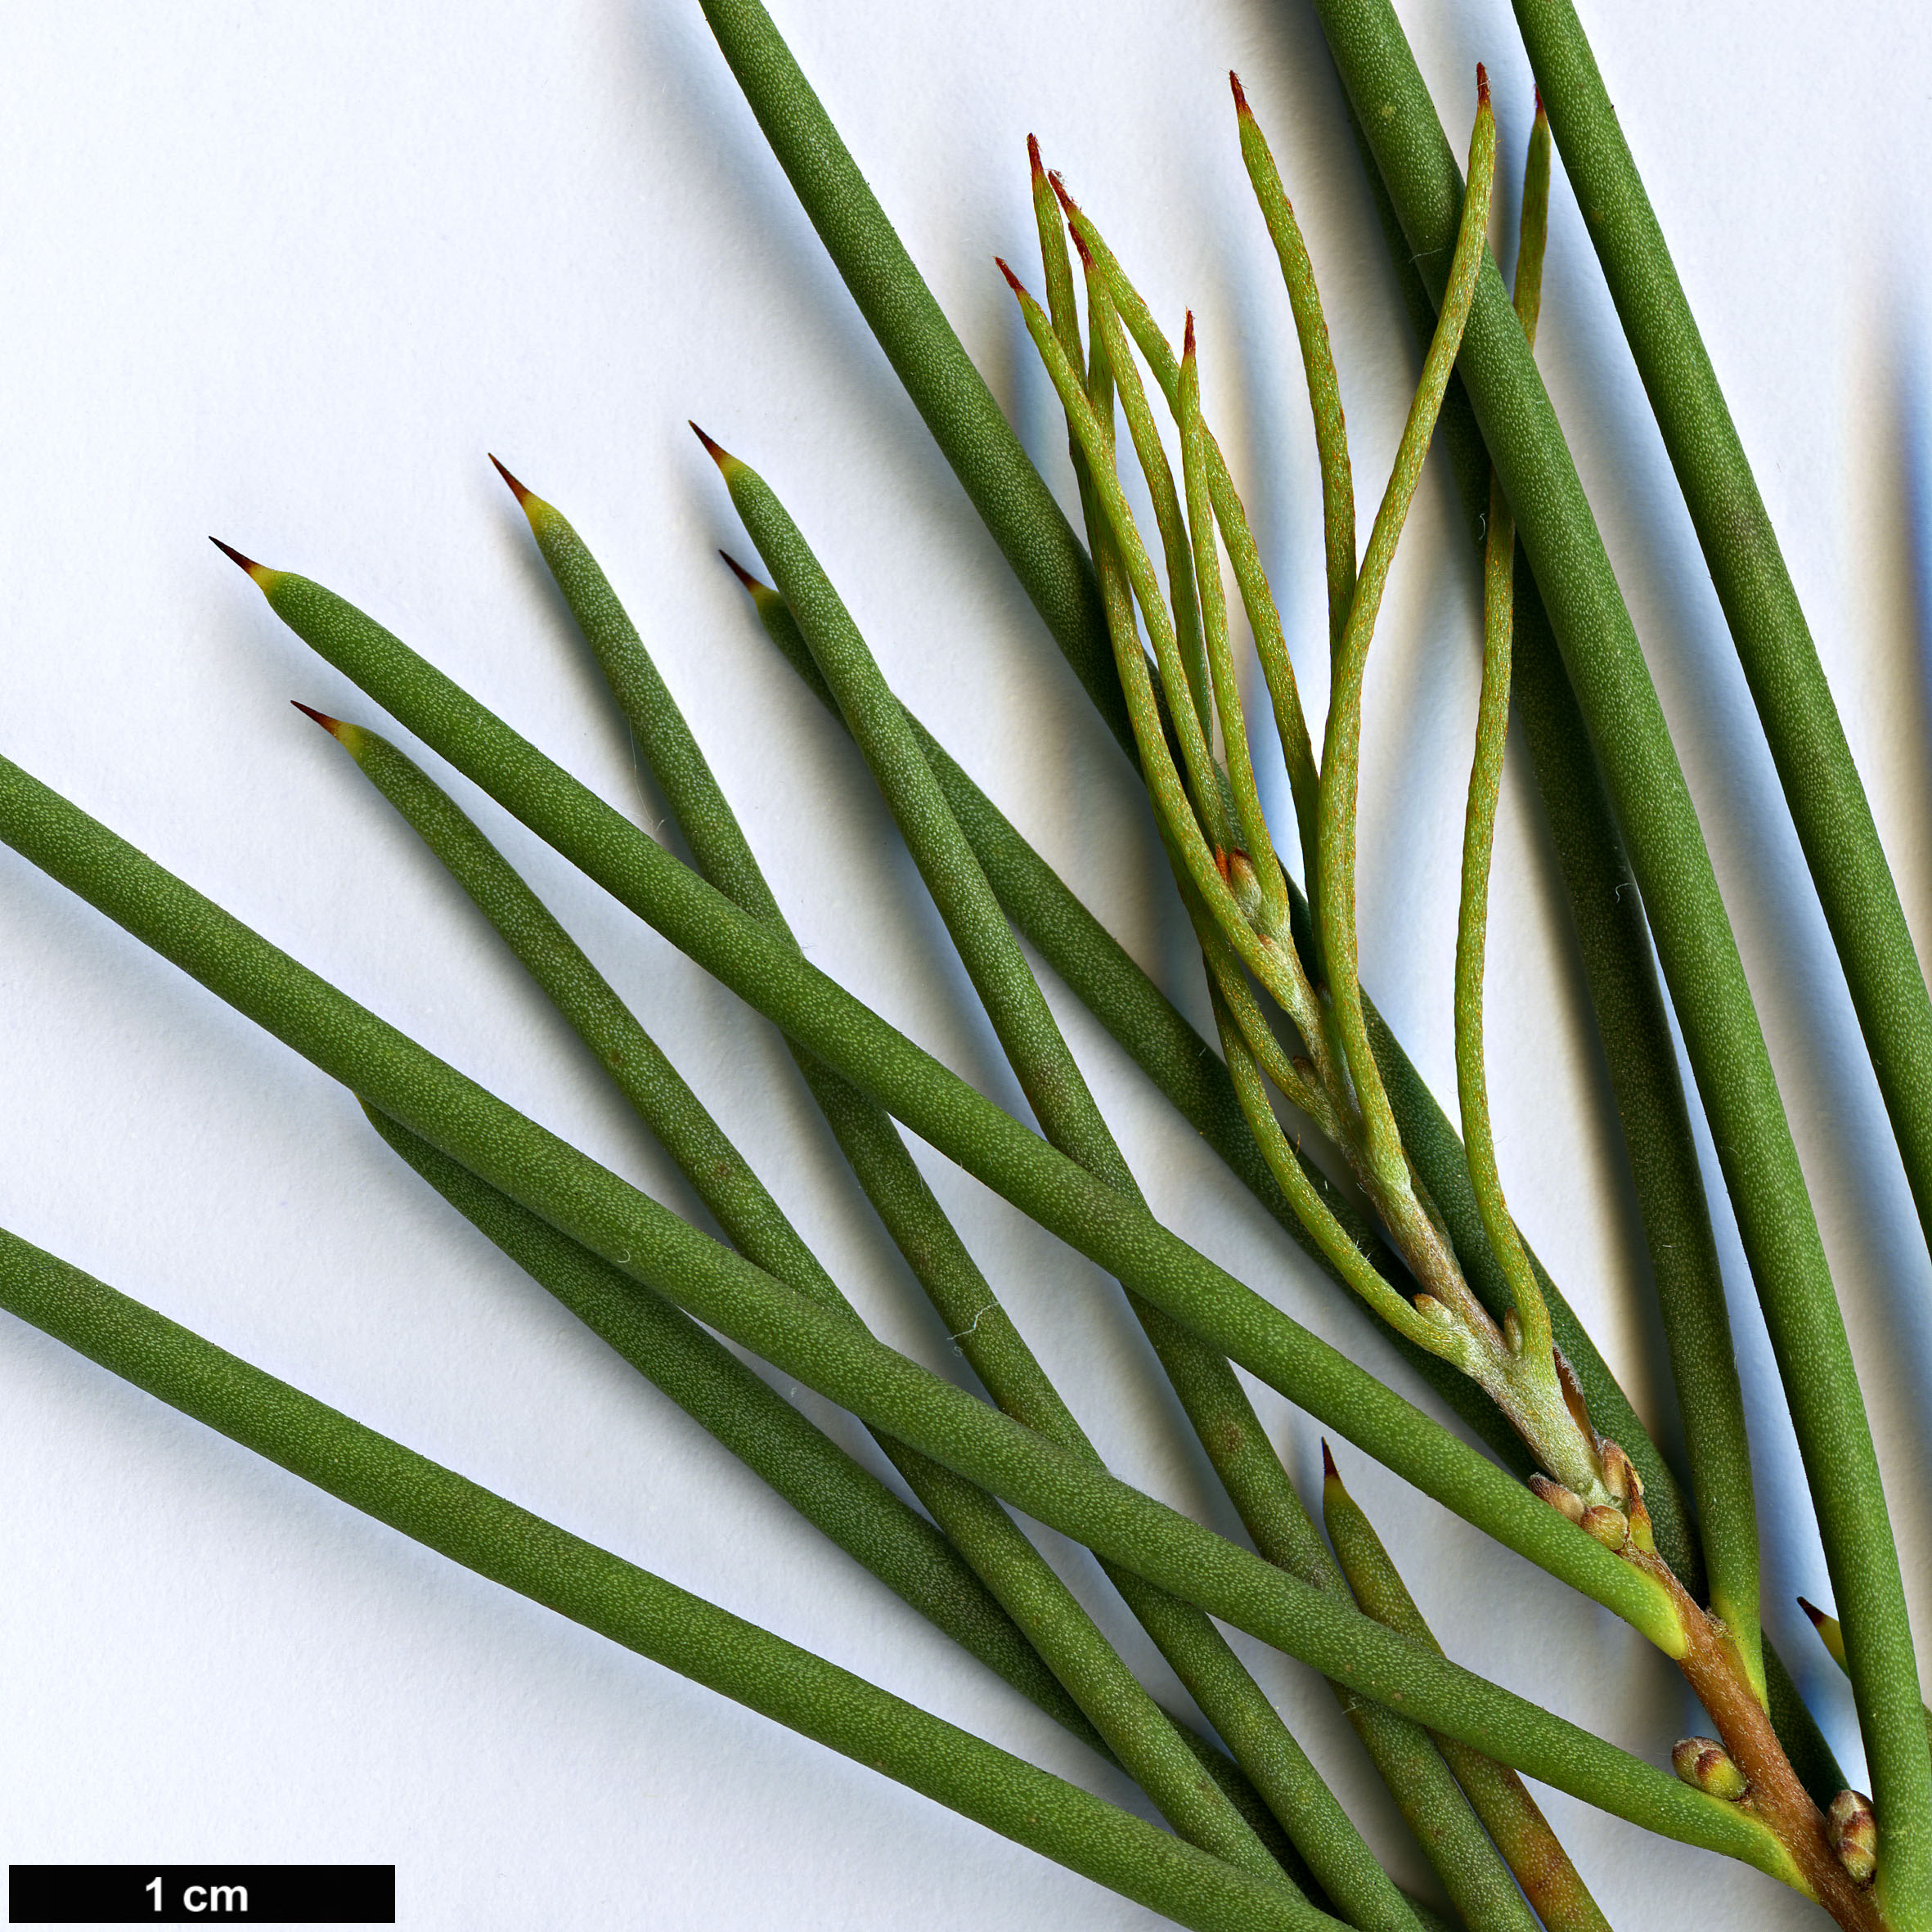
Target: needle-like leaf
1114,1232
1696,945
1334,902
1511,1816
1821,782
1606,911
1137,1733
826,1350
497,1539
1218,1408
1318,364
847,1503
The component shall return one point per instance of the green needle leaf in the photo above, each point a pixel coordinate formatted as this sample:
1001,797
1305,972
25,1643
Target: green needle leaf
1138,1732
1145,1024
1409,1764
1833,1636
1113,1232
483,1532
1317,363
1216,1403
828,1352
1828,805
1695,947
1335,900
900,309
1257,847
1509,1815
1257,601
757,1425
1606,911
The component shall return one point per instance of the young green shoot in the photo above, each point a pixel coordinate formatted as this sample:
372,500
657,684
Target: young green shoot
1317,363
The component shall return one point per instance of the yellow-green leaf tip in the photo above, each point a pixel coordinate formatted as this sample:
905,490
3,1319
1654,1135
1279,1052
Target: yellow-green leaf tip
532,505
725,461
1828,1626
347,735
265,579
762,593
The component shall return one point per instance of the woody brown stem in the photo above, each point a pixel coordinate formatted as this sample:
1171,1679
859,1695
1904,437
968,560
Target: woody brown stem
1717,1673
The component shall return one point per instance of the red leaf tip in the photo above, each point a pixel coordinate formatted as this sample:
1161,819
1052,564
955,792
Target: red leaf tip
1086,254
1241,106
1033,160
234,556
739,571
718,453
1812,1611
1012,281
1541,114
1330,1473
516,489
1482,86
333,727
1187,343
1059,183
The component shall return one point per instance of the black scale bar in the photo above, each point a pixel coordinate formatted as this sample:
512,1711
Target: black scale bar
201,1895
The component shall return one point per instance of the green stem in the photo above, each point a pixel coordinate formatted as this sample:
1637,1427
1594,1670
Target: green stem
1511,1817
1117,1235
1137,1733
829,1353
493,1537
1695,944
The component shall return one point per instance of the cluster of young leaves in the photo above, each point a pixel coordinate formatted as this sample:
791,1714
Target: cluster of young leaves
1257,1836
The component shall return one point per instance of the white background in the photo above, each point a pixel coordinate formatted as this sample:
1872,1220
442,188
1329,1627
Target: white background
285,273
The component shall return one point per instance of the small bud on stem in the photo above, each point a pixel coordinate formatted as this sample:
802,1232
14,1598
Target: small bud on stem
1619,1478
1853,1832
1565,1502
1705,1763
1611,1527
